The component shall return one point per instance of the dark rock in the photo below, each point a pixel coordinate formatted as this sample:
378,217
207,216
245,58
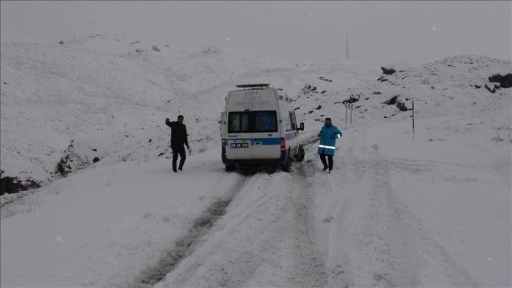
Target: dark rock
400,105
325,79
71,161
352,99
61,42
392,100
505,81
388,71
96,159
12,185
319,107
62,166
382,79
492,90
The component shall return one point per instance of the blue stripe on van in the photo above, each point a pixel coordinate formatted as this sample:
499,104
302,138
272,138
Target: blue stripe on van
268,141
264,141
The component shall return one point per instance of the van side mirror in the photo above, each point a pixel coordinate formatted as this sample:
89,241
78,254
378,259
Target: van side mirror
301,126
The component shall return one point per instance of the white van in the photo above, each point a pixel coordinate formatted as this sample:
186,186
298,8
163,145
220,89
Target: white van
257,128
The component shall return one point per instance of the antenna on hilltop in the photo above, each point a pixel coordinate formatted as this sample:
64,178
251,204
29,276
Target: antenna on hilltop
346,56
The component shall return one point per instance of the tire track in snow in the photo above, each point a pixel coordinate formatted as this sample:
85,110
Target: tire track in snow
241,244
185,245
382,242
266,240
309,268
368,245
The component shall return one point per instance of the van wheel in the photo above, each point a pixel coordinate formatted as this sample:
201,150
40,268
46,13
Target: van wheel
230,167
300,154
285,166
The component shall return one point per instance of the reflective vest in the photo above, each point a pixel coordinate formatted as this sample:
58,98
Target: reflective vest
328,136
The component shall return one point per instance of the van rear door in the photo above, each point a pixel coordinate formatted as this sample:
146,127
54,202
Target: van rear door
239,140
266,140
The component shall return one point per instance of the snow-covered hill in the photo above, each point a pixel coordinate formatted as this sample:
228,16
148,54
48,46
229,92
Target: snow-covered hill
110,99
107,97
433,210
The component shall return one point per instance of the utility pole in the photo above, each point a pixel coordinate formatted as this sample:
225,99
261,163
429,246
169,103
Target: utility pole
347,47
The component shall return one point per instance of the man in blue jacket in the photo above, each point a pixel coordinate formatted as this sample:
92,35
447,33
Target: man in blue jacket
328,135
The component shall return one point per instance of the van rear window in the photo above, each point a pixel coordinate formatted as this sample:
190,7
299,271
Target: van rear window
252,122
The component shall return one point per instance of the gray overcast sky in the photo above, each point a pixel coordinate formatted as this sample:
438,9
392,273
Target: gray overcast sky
379,31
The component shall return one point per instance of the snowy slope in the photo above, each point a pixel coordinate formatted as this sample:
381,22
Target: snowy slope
396,212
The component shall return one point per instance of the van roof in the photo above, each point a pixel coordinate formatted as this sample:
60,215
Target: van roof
252,86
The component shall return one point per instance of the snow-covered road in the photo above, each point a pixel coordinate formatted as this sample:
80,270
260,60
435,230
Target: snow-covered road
266,238
372,237
362,234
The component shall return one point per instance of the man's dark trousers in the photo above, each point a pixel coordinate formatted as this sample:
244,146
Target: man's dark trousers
329,157
178,149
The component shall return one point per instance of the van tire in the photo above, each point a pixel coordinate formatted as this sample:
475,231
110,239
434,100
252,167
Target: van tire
300,154
285,166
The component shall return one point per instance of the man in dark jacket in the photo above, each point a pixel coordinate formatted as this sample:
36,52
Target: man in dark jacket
178,141
328,135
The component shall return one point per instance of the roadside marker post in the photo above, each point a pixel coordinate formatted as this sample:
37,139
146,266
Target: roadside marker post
346,111
348,106
413,119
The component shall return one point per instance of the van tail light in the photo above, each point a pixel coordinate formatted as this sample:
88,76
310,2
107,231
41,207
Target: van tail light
224,145
283,144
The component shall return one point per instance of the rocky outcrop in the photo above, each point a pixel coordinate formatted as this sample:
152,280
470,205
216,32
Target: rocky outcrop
505,81
401,106
71,161
392,100
12,185
387,71
397,102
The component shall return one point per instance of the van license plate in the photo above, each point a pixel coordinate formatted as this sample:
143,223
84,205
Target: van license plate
239,145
